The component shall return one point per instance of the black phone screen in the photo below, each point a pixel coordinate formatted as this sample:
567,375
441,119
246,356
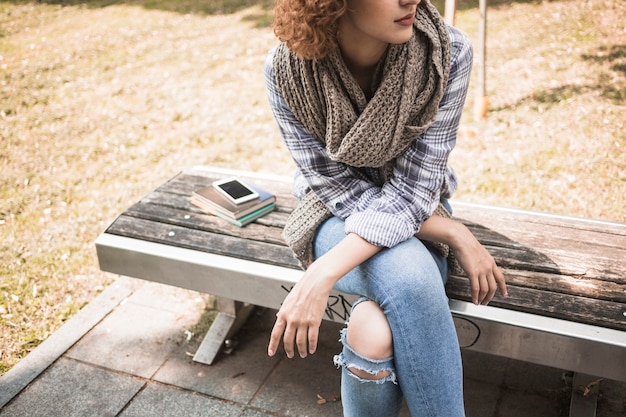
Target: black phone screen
235,189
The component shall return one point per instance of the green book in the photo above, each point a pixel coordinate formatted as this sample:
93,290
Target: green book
241,222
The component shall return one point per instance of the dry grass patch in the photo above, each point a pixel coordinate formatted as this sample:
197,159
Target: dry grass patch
102,101
554,138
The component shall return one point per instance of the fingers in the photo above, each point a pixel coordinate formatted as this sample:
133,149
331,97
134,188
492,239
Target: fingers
306,340
288,340
313,338
282,330
490,290
277,332
483,289
499,276
303,337
485,284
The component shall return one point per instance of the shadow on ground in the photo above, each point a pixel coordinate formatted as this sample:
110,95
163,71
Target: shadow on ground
610,82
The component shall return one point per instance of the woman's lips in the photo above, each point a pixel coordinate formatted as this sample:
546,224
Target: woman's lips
406,20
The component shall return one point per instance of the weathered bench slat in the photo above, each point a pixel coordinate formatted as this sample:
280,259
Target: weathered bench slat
540,270
573,257
565,284
203,241
597,250
195,219
569,307
510,219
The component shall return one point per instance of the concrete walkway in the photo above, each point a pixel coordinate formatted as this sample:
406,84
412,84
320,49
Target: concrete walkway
128,353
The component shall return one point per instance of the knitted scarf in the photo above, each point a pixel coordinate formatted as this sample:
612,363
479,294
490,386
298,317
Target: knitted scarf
324,96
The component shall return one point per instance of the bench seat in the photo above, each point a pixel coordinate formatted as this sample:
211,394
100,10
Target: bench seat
566,276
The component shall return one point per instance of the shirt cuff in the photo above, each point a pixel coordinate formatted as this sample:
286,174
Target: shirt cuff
379,228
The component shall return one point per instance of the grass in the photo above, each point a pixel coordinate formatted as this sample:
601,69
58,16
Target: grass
101,101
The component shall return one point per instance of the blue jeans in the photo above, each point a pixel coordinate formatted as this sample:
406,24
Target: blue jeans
406,282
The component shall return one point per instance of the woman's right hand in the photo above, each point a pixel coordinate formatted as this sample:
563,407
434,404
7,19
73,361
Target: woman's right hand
299,318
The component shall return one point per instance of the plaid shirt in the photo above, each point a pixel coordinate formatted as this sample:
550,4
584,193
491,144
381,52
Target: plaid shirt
384,214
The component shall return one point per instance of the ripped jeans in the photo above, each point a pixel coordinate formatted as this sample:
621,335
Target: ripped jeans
406,282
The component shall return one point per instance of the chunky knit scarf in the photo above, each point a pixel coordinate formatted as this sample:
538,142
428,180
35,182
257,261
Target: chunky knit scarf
327,100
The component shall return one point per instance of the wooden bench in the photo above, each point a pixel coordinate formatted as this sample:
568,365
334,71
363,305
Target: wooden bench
566,276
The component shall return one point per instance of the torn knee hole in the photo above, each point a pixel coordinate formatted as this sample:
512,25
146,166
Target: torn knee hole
368,375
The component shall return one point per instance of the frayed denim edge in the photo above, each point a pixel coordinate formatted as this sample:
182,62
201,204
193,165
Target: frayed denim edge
378,365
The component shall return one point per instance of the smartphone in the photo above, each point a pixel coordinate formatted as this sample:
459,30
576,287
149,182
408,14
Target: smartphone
235,190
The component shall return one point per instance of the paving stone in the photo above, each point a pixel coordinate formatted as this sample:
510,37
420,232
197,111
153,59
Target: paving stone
296,385
536,379
482,367
160,400
60,341
481,398
73,389
135,339
236,377
612,399
516,403
256,413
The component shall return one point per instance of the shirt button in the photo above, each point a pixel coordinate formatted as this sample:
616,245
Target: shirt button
338,205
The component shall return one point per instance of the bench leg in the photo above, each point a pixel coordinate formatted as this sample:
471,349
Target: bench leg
585,389
231,316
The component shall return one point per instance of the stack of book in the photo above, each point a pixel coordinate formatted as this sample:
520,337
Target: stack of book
212,201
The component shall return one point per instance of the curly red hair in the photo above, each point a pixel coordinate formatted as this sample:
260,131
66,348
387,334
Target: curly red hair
308,27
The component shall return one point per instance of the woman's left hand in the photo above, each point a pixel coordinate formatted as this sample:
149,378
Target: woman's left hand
484,275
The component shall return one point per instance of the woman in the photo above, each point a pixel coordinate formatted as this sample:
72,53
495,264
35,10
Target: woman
368,96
